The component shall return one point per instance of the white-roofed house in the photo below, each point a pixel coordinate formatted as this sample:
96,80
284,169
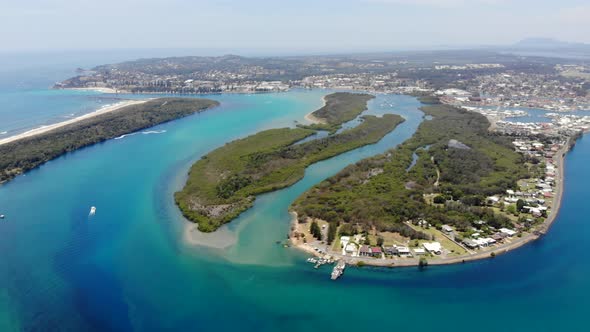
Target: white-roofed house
447,229
507,232
351,249
433,247
419,251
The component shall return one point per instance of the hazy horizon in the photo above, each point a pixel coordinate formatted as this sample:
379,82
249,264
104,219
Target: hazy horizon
285,27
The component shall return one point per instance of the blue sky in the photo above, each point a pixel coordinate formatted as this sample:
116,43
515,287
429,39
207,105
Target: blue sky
285,25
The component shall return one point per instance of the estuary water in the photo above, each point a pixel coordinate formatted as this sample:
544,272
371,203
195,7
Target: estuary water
129,268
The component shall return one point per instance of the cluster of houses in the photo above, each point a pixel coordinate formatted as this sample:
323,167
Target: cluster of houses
351,248
477,242
536,197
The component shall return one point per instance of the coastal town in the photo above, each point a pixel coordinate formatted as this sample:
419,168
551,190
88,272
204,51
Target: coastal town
514,82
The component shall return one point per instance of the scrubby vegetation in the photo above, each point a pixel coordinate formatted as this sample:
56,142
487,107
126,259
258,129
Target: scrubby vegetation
25,154
223,183
339,108
463,164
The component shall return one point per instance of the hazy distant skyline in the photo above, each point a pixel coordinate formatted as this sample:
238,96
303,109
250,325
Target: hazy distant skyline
286,25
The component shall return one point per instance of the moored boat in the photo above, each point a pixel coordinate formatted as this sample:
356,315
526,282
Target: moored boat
338,270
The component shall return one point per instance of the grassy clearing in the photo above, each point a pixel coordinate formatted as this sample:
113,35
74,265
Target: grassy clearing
444,241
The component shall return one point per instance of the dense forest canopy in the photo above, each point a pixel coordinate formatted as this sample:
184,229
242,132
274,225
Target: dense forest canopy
458,159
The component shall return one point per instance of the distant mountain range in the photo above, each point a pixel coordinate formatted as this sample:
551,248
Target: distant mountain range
550,45
546,47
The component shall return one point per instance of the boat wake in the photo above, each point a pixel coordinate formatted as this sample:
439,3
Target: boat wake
123,136
149,132
153,132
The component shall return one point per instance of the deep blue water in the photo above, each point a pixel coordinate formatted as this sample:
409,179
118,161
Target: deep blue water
129,268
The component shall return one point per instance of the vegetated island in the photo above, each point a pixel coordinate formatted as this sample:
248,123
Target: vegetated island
455,191
224,183
339,107
28,152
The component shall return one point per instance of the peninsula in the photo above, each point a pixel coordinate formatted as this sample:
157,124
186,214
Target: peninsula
225,182
455,191
29,150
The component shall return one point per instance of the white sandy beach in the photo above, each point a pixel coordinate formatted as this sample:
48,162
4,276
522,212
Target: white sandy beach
314,120
45,129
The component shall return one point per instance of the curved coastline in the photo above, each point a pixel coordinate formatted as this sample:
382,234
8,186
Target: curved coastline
312,118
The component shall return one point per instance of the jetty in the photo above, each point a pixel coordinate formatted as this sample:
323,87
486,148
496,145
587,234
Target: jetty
320,261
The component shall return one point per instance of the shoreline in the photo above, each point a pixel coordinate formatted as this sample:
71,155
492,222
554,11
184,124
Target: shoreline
313,119
96,89
47,128
483,254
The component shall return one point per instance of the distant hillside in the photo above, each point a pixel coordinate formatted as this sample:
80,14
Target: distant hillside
548,47
550,44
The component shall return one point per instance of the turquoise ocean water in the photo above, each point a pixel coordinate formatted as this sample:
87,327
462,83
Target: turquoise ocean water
128,269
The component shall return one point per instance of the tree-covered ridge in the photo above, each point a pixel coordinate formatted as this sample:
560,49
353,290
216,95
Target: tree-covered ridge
340,107
27,153
458,160
223,183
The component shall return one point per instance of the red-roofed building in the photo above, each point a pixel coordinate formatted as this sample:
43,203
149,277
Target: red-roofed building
376,251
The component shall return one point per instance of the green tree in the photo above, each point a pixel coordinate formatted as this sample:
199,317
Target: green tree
520,205
315,230
332,227
380,241
347,230
440,199
511,209
423,262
